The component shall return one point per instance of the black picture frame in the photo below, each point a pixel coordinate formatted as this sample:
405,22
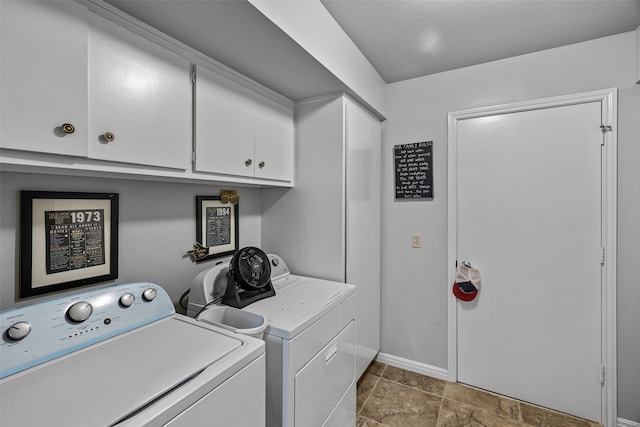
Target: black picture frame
413,167
67,240
217,227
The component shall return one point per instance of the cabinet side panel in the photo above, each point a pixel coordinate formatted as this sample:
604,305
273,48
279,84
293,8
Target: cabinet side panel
305,224
363,228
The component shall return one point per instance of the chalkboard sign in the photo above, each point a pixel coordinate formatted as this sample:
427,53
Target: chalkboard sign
414,170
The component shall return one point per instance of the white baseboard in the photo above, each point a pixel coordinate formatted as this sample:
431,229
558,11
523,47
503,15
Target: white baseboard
413,366
626,423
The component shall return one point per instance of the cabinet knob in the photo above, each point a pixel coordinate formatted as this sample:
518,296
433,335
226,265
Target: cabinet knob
67,128
261,165
248,162
109,137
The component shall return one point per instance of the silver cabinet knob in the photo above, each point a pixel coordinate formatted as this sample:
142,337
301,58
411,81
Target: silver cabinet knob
79,312
18,331
248,162
261,165
109,136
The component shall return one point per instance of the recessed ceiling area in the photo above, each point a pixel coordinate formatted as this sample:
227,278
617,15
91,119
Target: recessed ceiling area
402,39
406,39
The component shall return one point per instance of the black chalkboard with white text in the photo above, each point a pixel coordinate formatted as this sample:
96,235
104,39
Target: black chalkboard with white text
414,170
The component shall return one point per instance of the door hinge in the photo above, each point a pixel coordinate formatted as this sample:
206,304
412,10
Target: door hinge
602,374
193,157
604,129
193,76
601,255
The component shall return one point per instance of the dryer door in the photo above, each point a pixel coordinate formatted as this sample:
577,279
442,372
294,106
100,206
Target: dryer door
323,381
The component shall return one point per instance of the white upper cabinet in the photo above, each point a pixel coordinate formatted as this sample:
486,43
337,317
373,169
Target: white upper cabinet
139,99
82,79
223,128
273,141
240,132
44,77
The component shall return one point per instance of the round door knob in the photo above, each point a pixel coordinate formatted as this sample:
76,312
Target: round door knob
18,330
149,294
127,300
261,165
248,162
67,128
109,137
79,312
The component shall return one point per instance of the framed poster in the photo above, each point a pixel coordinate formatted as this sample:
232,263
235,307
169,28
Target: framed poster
67,240
216,227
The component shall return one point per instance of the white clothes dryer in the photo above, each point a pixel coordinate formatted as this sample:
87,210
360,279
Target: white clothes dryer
310,344
120,356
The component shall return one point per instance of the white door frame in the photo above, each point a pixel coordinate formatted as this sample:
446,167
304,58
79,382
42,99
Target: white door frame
608,99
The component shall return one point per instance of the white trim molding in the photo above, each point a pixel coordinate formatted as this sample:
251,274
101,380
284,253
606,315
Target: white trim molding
608,100
626,423
413,366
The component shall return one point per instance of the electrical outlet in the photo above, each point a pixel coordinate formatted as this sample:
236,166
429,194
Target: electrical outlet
416,240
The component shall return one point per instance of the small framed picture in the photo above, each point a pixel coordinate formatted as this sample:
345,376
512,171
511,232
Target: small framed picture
216,226
67,240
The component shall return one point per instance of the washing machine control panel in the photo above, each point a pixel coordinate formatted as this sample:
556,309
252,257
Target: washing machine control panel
43,331
279,268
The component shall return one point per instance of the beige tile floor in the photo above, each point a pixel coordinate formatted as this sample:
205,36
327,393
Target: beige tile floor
393,397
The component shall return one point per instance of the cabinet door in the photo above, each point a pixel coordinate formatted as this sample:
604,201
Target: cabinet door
273,141
140,93
224,126
44,76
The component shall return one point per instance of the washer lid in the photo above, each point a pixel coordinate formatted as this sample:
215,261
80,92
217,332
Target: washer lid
298,303
102,384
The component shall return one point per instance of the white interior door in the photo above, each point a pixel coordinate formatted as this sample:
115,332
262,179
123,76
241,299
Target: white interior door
530,218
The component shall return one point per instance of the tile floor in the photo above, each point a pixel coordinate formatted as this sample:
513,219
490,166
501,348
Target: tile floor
393,397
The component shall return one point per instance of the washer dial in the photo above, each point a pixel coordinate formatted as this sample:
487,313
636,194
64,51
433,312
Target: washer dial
79,312
18,331
149,294
127,300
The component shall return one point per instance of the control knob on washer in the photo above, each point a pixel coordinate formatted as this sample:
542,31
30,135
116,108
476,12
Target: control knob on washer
149,294
18,331
127,300
79,312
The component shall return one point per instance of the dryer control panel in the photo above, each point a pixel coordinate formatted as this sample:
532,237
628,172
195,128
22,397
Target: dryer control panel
43,331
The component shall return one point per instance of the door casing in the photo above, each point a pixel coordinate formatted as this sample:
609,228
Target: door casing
608,100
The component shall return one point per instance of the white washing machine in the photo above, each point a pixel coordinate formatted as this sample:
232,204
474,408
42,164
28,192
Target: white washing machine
120,356
310,344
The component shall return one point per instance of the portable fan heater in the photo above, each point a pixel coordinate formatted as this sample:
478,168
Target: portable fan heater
249,278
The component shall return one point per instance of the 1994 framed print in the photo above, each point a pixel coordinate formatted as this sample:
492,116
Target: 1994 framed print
216,226
68,239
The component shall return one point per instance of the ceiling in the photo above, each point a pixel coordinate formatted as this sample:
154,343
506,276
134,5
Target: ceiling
402,39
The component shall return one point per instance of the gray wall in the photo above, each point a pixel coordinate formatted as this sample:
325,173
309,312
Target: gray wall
414,282
157,227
